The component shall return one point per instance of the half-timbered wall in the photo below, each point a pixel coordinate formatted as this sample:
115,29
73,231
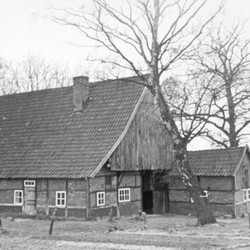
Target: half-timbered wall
76,196
7,188
221,195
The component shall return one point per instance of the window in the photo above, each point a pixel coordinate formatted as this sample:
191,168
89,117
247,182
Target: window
18,197
100,198
246,194
124,194
29,183
60,198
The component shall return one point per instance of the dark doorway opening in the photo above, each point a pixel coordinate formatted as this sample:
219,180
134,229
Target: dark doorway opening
148,202
155,192
147,191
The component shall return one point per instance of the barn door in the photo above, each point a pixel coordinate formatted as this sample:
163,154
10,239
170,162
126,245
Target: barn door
160,202
29,197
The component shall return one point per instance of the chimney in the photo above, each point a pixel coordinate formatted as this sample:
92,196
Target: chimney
80,92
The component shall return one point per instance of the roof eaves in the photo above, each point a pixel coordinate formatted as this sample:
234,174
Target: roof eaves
107,156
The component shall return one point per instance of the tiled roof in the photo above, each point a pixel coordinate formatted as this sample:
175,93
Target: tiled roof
41,138
215,162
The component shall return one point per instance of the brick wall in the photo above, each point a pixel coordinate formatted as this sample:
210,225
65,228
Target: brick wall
214,182
179,195
217,183
241,209
97,184
221,195
75,196
41,197
130,180
189,209
7,188
238,196
76,193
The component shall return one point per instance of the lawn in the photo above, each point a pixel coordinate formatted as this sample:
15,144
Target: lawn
172,231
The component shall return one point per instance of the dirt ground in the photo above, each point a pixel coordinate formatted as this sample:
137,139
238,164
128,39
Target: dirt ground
169,232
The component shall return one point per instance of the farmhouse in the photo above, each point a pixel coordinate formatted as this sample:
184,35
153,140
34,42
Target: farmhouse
224,174
83,149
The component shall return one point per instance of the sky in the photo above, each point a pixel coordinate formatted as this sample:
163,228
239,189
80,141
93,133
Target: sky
26,29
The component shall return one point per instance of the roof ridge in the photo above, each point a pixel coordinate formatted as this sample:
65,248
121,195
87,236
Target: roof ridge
217,149
36,91
93,83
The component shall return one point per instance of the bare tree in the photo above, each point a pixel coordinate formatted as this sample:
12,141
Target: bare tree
32,74
151,30
188,99
225,56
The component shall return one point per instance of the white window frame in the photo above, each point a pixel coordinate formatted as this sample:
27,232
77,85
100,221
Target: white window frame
18,194
60,199
246,194
100,198
124,194
29,183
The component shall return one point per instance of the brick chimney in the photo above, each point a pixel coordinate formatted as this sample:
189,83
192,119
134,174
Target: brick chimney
80,92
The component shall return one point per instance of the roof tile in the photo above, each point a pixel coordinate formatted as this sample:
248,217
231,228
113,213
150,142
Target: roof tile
40,137
215,162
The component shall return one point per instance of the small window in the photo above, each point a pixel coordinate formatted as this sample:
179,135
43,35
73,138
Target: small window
100,198
60,198
29,183
246,194
18,197
124,194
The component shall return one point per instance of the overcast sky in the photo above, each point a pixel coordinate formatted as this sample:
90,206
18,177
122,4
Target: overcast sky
26,29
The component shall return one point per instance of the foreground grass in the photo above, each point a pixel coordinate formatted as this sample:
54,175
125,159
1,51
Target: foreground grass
166,231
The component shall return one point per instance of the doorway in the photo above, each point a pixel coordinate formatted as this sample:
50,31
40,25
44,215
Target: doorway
155,192
29,197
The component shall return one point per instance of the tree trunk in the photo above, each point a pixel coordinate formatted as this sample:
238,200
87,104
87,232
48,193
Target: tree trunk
231,119
204,212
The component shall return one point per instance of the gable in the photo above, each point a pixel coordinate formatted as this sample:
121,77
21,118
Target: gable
146,145
242,172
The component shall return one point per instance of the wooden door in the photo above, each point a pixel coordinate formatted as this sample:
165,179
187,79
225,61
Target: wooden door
161,203
29,200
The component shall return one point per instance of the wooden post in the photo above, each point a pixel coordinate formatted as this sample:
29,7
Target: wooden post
66,207
248,213
53,216
47,197
117,195
144,217
88,199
